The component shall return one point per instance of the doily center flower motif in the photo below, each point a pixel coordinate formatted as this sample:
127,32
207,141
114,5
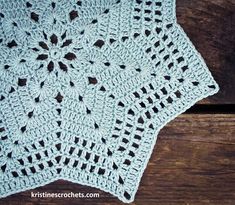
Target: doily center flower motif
55,54
56,51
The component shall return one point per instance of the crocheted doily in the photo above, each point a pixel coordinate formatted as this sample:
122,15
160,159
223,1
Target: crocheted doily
85,88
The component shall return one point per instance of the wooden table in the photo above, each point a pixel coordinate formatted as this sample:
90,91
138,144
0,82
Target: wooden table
193,162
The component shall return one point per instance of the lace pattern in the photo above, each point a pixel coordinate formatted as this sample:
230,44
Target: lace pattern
85,88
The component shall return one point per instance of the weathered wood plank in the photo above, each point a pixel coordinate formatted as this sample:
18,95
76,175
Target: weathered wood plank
210,24
192,163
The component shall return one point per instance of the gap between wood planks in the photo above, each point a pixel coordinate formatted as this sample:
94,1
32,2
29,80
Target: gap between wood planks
212,109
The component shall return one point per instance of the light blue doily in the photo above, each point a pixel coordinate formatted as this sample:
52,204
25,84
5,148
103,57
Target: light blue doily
85,88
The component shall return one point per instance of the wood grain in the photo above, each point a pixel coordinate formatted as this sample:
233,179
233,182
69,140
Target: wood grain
210,24
193,163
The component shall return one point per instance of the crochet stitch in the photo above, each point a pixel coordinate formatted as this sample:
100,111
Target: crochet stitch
85,88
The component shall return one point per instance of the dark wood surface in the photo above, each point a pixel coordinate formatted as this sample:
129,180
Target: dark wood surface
193,162
210,24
